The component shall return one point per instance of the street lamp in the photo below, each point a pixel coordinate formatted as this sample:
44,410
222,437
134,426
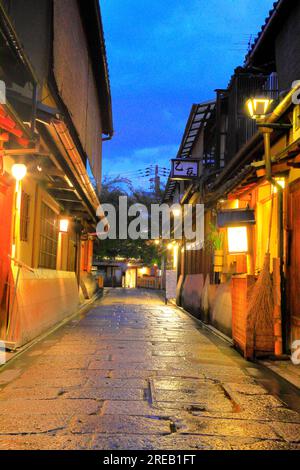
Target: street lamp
175,255
18,170
258,107
64,225
280,182
176,211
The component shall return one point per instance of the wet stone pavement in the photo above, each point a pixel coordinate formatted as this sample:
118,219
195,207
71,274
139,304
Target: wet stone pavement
136,374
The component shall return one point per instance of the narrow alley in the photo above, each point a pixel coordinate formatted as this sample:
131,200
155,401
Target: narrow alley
133,373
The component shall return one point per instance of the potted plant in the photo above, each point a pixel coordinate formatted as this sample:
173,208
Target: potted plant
216,238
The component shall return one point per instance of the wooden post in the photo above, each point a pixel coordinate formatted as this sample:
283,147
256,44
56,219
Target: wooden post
277,307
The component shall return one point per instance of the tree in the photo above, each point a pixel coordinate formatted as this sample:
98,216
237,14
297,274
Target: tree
143,250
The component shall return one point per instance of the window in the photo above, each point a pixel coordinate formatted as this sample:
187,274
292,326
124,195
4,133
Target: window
48,237
24,217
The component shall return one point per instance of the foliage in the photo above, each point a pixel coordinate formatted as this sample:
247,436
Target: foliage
215,237
143,250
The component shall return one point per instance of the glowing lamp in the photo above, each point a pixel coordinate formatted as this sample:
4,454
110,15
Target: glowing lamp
170,246
63,225
18,171
237,240
280,182
258,107
175,256
176,212
156,242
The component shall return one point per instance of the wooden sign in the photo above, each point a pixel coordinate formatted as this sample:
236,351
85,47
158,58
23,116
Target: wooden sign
185,169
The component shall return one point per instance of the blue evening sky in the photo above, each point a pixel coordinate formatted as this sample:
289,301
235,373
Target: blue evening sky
165,55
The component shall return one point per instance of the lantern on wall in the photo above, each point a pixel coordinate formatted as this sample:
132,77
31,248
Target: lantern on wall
64,225
258,107
238,240
280,182
19,170
238,223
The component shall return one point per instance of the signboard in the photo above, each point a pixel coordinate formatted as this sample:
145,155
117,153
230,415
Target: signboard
171,284
185,169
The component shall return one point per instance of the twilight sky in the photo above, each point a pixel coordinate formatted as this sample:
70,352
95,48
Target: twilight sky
165,55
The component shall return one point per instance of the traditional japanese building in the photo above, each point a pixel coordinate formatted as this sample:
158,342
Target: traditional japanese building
55,113
250,185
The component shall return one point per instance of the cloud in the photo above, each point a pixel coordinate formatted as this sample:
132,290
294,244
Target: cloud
140,159
163,56
152,154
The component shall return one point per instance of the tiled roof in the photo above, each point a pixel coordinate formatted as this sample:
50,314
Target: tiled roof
215,192
170,187
199,115
268,21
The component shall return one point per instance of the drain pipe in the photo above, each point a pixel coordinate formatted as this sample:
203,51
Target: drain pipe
279,343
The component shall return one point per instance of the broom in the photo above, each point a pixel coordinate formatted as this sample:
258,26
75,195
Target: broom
261,300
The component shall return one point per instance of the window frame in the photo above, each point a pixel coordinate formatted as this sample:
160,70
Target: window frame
49,232
25,216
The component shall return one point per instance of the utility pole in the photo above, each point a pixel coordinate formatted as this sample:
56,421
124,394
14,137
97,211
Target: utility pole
155,182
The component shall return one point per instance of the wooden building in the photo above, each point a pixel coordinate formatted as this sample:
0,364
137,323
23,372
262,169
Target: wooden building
53,118
244,205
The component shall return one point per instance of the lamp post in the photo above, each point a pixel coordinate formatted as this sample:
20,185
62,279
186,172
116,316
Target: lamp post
18,171
258,109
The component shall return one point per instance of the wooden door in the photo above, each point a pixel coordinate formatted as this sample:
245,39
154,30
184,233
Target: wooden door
293,287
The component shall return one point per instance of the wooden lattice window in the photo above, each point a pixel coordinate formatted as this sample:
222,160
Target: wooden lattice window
24,217
48,237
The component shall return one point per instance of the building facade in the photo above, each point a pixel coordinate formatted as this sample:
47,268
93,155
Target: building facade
251,208
55,113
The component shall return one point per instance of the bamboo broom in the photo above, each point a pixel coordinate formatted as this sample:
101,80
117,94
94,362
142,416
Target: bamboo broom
261,299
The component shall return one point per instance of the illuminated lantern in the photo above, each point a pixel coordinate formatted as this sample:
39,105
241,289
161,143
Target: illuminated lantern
280,182
64,225
176,212
258,107
237,239
19,171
